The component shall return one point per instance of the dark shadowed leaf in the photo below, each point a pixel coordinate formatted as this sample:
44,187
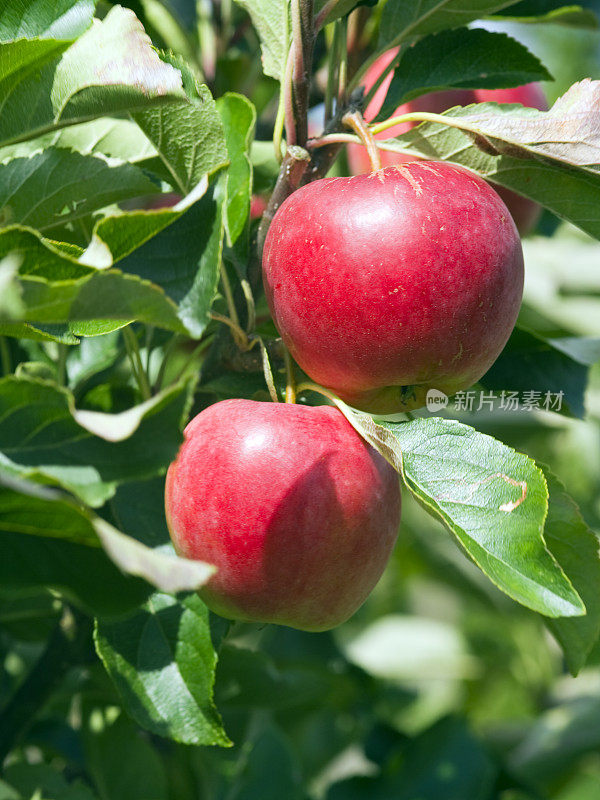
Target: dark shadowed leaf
576,548
461,59
532,363
402,21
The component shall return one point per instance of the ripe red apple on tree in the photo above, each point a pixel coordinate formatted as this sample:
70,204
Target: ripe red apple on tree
296,510
525,212
386,285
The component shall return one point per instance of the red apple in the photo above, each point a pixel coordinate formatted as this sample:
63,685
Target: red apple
296,510
258,205
525,212
386,285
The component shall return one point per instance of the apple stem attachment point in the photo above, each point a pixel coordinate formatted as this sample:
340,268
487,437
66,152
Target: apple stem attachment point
355,120
290,389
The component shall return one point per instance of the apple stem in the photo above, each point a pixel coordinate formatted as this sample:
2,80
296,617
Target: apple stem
307,386
290,389
285,111
239,335
268,371
355,120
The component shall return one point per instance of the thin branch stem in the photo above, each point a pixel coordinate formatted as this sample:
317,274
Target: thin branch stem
330,139
333,138
332,73
354,120
290,388
194,354
239,335
288,101
285,106
303,42
5,355
268,372
231,309
250,305
343,68
148,345
324,13
424,116
307,386
133,351
61,364
167,352
291,173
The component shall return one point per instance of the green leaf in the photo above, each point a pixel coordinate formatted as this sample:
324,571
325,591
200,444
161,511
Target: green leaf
558,738
47,84
60,186
569,16
493,499
116,138
94,355
43,437
30,19
461,59
22,330
188,136
268,754
163,663
576,548
533,363
138,509
446,761
250,679
271,20
108,745
239,118
55,287
84,575
31,511
43,781
184,259
402,21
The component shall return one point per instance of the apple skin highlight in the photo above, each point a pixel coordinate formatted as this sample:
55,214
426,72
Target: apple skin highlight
297,512
386,285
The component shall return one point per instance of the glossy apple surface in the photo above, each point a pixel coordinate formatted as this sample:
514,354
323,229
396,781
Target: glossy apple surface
525,212
296,510
386,285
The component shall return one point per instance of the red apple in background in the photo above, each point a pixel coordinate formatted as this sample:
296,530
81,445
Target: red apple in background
386,285
296,510
258,206
525,212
